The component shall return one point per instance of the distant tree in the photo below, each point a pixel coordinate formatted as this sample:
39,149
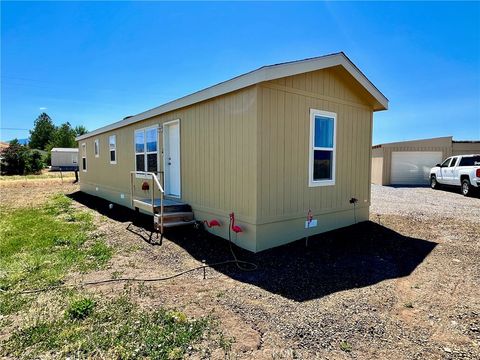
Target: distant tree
64,136
13,158
35,162
42,133
80,130
18,159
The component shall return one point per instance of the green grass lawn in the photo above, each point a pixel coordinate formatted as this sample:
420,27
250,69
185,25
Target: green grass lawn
113,329
40,245
38,248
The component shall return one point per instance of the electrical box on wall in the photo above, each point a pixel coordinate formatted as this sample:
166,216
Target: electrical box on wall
311,223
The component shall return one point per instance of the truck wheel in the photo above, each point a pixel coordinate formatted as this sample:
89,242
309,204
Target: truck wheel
433,182
466,187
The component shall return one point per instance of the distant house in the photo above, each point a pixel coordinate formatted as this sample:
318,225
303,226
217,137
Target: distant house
64,159
272,146
3,145
409,162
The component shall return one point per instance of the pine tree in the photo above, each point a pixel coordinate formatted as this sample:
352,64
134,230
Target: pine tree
64,137
42,132
80,130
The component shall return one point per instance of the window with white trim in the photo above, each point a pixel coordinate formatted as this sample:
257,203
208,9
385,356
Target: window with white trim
322,148
146,149
96,148
84,157
112,145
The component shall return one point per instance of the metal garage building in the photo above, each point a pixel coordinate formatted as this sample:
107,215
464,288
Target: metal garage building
409,162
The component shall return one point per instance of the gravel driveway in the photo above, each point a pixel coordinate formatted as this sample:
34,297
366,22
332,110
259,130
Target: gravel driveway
424,202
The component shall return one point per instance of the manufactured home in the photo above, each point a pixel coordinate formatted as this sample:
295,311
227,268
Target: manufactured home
64,159
286,148
409,162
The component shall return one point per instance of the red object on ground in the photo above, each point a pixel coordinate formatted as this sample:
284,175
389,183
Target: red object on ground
212,223
235,228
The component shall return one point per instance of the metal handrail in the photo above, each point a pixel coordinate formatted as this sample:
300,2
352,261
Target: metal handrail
160,187
151,174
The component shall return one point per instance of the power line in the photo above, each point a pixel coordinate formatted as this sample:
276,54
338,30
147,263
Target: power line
14,129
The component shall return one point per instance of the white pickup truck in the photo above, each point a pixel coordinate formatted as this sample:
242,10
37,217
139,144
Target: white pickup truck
462,170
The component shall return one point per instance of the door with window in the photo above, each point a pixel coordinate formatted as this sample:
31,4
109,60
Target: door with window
171,141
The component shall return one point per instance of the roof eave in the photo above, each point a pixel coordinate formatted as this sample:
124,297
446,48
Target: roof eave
262,74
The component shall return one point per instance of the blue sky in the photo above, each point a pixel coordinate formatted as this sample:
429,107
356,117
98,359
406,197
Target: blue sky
95,63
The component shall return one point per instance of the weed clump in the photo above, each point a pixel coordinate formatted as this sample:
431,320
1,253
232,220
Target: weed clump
80,309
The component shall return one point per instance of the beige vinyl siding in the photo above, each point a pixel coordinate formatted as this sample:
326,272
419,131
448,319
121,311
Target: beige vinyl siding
218,161
284,125
377,170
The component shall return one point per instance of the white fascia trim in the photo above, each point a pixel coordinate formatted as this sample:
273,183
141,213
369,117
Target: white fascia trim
262,74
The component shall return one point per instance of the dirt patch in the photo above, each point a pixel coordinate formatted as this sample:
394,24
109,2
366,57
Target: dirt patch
401,286
32,192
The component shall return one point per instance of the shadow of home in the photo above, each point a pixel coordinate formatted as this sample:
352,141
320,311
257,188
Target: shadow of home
143,222
356,256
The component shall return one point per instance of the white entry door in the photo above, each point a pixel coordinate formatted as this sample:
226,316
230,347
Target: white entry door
171,157
413,167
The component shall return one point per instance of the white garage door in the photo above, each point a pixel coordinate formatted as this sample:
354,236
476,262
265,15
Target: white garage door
413,167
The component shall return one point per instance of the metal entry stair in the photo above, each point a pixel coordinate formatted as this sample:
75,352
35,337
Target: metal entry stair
167,213
175,213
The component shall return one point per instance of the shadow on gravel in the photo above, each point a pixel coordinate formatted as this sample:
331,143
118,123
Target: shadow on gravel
446,188
456,190
353,257
407,186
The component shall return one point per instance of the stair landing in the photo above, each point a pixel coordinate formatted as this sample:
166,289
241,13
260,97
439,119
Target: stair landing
169,205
